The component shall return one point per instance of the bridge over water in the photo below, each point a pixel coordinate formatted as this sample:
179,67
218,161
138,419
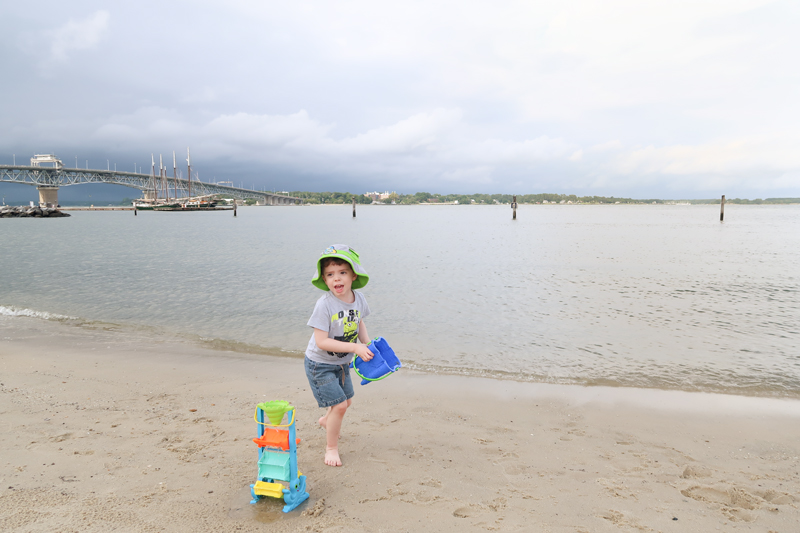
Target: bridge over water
49,179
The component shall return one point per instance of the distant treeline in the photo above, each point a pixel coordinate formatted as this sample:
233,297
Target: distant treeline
745,201
425,198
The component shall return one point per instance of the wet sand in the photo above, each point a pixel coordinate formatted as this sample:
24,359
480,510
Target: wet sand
106,431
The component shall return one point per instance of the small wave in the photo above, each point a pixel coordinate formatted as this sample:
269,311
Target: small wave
44,315
777,387
227,345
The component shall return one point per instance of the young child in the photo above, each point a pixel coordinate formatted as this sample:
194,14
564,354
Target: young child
338,322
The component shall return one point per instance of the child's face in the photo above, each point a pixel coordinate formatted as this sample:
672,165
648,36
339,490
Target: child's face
339,279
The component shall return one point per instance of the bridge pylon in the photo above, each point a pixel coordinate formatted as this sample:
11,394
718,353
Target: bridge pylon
48,196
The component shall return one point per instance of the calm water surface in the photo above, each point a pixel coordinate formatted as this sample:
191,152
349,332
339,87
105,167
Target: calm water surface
647,296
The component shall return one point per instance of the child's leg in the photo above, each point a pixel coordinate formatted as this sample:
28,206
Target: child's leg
323,420
333,427
327,391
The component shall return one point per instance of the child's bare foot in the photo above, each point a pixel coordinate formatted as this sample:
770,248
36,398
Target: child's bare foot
332,457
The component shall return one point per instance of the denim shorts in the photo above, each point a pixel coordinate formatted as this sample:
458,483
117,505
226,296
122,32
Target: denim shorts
331,384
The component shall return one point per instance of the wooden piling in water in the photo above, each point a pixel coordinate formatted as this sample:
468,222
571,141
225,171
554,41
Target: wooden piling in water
234,207
514,208
354,207
722,208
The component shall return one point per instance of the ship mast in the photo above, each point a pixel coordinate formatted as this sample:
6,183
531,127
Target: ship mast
189,164
153,177
162,175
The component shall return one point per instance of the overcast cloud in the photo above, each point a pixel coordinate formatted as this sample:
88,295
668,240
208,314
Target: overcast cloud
664,99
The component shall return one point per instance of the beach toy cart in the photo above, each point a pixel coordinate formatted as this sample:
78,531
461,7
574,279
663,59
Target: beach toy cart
383,364
277,456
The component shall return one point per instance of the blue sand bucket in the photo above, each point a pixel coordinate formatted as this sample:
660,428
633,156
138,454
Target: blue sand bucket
381,365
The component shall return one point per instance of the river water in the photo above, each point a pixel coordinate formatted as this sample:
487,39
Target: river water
641,296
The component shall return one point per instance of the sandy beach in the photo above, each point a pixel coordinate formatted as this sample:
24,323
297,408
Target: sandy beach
105,432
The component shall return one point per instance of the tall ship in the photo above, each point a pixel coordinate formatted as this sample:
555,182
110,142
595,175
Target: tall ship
158,198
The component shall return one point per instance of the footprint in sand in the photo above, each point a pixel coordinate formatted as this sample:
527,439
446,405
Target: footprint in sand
732,497
468,511
421,498
736,503
514,468
738,515
694,471
623,521
777,498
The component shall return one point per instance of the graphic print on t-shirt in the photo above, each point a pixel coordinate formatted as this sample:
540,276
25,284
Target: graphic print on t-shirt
349,322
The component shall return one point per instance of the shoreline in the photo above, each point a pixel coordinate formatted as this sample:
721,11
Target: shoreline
105,430
239,349
155,334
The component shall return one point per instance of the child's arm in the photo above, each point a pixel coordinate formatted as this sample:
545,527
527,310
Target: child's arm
332,345
363,336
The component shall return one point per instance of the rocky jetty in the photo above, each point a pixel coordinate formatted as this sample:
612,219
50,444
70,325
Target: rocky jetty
8,211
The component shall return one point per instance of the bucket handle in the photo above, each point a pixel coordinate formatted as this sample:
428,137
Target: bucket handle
355,368
255,417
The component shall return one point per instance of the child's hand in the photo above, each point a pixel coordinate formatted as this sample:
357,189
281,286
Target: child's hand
363,352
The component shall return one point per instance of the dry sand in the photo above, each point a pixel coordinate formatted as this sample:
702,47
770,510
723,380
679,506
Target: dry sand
102,432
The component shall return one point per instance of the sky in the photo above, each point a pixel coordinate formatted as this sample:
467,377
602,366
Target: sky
655,99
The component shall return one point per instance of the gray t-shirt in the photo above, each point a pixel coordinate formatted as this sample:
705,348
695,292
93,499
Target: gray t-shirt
341,321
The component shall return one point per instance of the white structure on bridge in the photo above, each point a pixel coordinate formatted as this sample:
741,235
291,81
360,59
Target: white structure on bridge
51,159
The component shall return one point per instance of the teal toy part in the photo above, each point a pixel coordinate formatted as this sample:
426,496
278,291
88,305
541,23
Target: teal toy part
275,463
383,363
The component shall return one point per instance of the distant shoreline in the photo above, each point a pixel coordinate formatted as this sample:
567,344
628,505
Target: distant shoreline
425,198
422,198
662,203
81,207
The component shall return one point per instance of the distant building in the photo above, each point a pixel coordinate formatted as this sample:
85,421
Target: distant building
376,196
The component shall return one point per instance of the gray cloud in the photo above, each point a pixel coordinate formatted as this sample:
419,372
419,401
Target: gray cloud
79,35
620,98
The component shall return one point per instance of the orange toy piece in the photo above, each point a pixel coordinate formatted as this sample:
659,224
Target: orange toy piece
274,438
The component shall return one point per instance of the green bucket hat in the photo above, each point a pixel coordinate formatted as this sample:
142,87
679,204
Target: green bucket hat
345,253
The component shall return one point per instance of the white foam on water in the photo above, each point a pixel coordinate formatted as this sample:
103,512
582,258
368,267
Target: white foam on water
44,315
